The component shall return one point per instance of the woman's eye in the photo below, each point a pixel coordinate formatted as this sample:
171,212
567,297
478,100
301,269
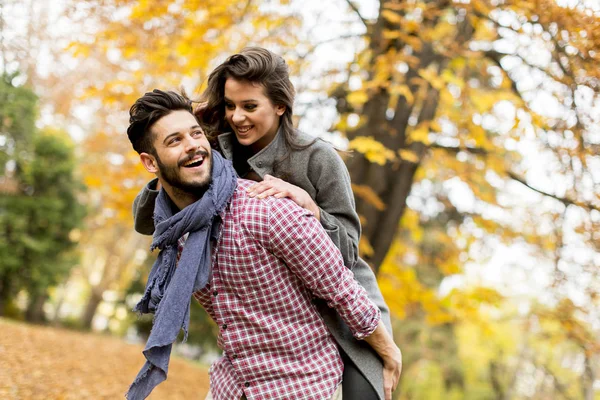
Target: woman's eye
250,107
229,106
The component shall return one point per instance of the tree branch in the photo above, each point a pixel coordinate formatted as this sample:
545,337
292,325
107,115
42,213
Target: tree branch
355,9
516,177
472,150
325,41
564,200
560,387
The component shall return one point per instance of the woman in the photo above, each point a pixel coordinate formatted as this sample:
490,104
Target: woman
248,113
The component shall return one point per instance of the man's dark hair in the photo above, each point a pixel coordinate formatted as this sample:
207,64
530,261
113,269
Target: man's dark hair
147,110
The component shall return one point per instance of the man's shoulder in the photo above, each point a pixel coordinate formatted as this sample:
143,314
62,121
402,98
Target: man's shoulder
244,184
247,208
250,207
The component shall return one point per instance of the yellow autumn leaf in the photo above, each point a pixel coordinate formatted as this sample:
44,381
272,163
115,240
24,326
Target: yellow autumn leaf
420,133
403,90
435,126
367,194
392,16
373,150
358,97
408,155
93,181
390,35
433,78
481,7
364,247
537,120
484,101
442,31
449,77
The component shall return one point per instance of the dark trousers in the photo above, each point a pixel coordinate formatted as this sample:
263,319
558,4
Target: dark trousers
354,384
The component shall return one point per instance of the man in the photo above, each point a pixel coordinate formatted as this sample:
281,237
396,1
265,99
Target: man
269,259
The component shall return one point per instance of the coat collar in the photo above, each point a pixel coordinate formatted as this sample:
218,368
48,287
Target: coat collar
262,162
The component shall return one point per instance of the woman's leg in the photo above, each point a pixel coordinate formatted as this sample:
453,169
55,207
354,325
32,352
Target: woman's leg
354,384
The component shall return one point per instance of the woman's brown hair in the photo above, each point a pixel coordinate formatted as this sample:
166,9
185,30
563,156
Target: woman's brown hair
256,65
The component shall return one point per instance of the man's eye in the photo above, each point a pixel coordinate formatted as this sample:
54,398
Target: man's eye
174,140
197,133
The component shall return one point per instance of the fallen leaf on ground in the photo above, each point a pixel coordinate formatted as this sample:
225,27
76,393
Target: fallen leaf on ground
40,362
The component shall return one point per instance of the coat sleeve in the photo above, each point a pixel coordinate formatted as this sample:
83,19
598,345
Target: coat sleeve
143,209
329,176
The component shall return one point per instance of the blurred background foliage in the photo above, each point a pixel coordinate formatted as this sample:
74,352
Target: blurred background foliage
474,135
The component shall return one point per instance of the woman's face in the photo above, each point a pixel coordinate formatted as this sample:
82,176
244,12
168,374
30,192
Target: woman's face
252,116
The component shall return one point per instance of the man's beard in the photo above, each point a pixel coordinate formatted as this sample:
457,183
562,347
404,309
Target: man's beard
171,175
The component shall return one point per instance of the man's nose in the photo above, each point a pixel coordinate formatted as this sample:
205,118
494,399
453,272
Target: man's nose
191,144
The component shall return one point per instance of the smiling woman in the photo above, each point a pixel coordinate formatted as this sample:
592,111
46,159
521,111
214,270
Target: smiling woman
251,115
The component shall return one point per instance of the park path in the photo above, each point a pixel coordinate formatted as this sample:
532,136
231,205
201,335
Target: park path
39,362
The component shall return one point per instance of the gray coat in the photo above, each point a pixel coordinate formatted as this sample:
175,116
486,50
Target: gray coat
319,170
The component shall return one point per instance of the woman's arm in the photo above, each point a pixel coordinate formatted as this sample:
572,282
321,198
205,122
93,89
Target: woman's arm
143,208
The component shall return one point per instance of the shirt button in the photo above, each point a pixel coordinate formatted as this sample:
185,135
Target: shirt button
247,384
260,164
234,356
224,326
215,293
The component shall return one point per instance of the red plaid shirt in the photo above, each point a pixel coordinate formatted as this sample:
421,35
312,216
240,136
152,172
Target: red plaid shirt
271,259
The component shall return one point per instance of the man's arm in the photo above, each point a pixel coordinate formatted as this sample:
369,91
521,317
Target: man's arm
299,240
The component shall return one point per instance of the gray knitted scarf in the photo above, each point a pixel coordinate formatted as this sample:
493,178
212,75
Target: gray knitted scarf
170,283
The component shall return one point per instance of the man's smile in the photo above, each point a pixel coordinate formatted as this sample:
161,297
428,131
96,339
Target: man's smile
195,161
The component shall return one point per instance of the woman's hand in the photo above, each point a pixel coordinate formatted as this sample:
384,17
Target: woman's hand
279,188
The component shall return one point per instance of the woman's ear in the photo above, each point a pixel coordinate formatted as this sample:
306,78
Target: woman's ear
280,109
149,162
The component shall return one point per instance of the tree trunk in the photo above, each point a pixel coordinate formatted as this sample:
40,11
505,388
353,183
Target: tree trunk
381,226
496,380
59,304
2,305
392,182
91,308
5,287
587,381
35,310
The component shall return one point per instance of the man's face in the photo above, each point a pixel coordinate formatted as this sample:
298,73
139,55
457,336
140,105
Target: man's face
183,157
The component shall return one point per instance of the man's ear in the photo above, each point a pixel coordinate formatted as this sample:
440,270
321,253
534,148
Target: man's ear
280,109
149,162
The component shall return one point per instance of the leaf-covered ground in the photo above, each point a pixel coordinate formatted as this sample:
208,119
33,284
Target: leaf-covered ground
39,362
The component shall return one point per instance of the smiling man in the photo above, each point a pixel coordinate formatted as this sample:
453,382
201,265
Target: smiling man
255,265
185,167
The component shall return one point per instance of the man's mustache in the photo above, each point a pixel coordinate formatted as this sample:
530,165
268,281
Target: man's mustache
202,153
